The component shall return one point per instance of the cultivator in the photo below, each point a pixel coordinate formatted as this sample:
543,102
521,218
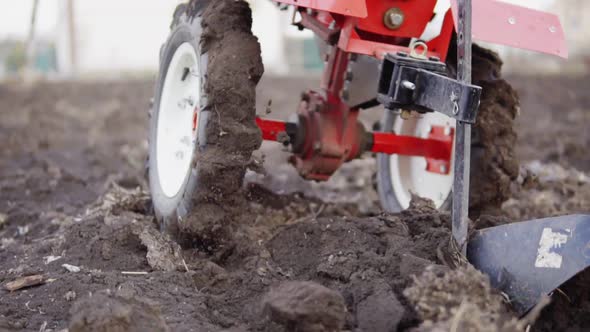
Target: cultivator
375,55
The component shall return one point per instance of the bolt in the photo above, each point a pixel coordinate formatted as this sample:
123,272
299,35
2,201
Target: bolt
443,169
317,146
408,85
396,19
552,29
512,20
402,54
393,18
405,114
447,130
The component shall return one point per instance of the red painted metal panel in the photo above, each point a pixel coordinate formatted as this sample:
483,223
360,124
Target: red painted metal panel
501,23
351,42
356,8
416,15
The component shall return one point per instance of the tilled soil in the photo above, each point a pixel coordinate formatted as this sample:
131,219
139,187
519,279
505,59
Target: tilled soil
71,173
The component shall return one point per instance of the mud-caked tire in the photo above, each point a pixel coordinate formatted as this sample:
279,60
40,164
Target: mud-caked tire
493,162
202,124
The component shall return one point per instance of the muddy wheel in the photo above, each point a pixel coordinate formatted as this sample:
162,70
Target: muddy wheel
493,162
189,148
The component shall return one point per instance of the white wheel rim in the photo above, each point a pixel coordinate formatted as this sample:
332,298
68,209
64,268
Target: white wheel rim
409,174
175,133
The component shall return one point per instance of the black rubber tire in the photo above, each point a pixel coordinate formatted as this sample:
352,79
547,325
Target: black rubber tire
186,27
492,151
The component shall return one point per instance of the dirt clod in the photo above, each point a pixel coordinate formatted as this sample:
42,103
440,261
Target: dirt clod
305,306
102,312
163,254
459,300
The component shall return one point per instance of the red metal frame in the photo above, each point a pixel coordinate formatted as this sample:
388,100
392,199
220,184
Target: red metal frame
437,148
332,133
493,21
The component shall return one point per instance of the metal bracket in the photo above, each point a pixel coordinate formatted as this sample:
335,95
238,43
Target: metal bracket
421,85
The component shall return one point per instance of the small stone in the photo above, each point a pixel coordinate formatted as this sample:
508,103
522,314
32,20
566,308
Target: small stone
49,259
70,296
71,268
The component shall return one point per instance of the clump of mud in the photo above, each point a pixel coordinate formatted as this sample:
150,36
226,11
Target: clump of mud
493,160
234,67
494,135
104,311
305,306
459,300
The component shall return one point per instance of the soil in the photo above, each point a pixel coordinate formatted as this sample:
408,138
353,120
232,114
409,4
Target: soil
494,164
296,256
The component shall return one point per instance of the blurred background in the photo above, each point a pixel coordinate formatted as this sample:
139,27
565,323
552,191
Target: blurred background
80,38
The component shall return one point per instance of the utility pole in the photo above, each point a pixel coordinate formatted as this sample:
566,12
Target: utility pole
30,43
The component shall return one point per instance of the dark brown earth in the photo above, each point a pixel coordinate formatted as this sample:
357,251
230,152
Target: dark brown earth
71,178
73,155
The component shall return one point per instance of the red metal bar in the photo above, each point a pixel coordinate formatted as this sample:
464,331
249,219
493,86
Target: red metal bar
390,143
270,128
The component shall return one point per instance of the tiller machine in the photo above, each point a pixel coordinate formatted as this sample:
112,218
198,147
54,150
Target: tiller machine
374,55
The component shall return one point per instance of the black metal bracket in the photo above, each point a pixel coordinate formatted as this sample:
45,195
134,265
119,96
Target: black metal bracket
422,85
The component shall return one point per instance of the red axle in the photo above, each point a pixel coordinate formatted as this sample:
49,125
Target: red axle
390,143
271,128
437,148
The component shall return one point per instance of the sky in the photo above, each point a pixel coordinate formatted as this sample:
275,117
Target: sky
15,16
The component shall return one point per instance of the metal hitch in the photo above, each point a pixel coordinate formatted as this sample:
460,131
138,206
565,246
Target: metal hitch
421,85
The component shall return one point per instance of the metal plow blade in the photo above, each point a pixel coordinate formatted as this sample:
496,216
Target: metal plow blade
529,259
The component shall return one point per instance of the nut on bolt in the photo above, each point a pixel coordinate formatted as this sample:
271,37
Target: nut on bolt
393,18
